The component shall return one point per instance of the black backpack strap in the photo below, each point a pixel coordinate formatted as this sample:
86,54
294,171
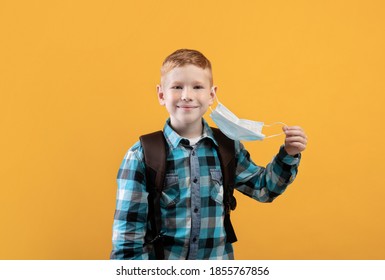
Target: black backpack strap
154,148
226,150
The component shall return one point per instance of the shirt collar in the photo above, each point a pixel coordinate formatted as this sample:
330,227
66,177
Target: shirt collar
174,139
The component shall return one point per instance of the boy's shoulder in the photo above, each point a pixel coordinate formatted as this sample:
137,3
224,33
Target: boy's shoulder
135,151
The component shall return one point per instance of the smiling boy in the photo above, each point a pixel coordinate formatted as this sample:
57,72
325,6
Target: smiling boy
186,92
192,208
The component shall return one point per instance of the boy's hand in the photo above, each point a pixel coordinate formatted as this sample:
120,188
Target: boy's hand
295,141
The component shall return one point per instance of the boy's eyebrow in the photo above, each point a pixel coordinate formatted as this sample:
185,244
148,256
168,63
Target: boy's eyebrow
182,82
173,83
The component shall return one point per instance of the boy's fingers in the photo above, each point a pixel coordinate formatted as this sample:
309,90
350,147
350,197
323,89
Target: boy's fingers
299,139
295,127
292,129
290,133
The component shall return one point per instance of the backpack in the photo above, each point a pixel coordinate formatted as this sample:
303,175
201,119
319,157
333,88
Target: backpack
154,148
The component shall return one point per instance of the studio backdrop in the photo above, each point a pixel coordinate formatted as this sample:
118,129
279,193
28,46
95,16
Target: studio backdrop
78,87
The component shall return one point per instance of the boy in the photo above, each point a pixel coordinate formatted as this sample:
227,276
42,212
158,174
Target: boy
192,197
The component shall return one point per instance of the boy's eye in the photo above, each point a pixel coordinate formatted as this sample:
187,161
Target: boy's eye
198,87
177,87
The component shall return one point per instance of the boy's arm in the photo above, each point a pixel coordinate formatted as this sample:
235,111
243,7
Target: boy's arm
265,184
130,219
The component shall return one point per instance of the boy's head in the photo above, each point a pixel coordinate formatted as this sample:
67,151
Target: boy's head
186,89
183,57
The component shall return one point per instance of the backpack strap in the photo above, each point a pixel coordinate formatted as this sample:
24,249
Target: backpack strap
226,150
154,148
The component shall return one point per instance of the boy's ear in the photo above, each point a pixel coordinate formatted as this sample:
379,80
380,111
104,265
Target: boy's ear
160,94
213,93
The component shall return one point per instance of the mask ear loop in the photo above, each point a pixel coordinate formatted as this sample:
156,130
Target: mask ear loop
216,97
272,124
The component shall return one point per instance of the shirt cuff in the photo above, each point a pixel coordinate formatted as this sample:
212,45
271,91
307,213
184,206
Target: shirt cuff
288,159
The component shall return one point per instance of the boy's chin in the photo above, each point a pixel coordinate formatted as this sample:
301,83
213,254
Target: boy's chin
187,120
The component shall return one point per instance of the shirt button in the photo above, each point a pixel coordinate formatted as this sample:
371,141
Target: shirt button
195,180
194,239
196,210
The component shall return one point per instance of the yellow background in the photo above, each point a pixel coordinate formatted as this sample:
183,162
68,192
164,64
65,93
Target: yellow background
78,82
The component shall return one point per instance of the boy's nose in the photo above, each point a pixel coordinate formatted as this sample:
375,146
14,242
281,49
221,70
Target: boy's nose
186,95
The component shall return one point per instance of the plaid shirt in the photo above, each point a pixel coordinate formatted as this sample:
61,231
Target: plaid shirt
192,199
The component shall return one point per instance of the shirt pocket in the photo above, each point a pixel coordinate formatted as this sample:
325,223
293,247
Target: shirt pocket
170,193
216,193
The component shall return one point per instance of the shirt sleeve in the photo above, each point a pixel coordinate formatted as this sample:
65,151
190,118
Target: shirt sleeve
130,219
264,183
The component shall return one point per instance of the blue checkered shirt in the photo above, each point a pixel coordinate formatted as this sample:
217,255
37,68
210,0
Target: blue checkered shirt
192,198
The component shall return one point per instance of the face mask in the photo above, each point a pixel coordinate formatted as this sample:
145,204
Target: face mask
238,129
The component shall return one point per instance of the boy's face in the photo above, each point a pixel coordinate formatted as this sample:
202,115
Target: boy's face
186,92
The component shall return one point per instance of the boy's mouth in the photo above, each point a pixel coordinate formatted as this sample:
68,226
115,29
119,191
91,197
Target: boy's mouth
187,107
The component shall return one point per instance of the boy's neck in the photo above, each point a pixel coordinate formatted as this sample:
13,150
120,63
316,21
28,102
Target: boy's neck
189,130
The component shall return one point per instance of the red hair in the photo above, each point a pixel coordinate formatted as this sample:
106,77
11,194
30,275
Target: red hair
183,57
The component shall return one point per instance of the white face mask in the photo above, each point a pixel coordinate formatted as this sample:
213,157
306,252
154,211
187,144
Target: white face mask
238,129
